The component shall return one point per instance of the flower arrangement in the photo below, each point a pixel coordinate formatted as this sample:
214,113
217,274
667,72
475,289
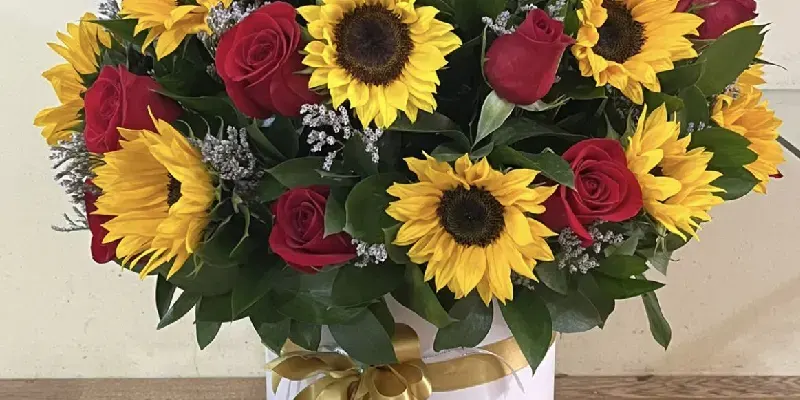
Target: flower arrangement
294,162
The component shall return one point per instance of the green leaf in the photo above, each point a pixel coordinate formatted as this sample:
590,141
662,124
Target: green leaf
305,335
482,152
628,247
384,315
265,310
186,301
309,298
571,313
268,149
494,113
549,163
571,21
622,266
518,129
220,250
602,302
730,148
448,152
727,57
417,296
301,172
432,123
658,259
577,87
357,159
206,332
284,136
529,320
273,335
625,288
675,80
695,108
335,213
364,339
164,293
204,280
655,100
253,283
737,182
269,189
215,309
366,208
474,320
211,106
659,327
541,105
552,276
122,29
359,285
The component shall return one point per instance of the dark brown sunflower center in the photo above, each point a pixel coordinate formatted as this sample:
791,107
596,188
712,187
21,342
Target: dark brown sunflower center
621,37
373,44
472,216
173,190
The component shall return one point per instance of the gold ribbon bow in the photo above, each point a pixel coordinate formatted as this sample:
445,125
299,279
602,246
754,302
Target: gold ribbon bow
409,379
344,380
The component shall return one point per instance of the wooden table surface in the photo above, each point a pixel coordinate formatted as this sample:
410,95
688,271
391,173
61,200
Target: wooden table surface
568,388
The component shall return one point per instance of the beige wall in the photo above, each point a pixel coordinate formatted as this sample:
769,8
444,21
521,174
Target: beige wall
731,299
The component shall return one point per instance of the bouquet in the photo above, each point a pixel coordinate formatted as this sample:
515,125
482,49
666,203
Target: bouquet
296,162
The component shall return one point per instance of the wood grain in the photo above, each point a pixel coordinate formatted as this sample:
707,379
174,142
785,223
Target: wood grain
679,387
567,388
133,389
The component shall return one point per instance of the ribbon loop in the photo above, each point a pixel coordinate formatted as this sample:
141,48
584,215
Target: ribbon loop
410,379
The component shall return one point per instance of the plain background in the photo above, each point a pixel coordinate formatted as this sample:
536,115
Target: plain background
732,299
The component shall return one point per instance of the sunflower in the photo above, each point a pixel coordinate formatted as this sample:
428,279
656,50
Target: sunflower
81,47
159,193
472,225
168,21
682,194
742,110
381,55
625,43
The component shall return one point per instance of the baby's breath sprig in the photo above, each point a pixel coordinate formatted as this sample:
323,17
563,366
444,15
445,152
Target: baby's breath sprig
330,130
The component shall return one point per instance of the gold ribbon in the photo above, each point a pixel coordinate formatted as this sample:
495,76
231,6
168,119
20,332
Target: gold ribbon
409,379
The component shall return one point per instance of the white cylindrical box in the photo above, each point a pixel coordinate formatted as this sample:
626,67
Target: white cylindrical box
538,386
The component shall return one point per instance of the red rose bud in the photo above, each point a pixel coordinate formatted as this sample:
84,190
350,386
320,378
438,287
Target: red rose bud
605,189
101,253
522,66
298,233
120,99
719,15
258,59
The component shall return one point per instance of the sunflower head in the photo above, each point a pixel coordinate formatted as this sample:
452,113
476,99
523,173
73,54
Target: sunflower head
676,183
169,21
625,43
381,55
743,111
80,47
158,192
472,225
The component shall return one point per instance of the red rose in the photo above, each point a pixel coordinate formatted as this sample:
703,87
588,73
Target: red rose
258,59
720,15
120,99
298,233
522,66
101,253
605,189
